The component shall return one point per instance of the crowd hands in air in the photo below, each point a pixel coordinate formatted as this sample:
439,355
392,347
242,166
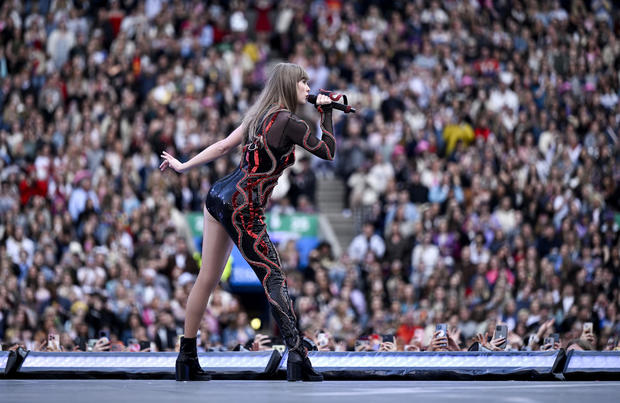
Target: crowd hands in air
322,340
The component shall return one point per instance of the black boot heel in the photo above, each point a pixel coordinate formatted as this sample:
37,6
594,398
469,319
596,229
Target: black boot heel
190,372
293,372
187,367
299,368
182,372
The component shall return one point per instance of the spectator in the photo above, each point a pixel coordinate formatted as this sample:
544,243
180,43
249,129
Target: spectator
367,241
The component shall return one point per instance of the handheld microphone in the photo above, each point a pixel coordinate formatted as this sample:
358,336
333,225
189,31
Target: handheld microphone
336,105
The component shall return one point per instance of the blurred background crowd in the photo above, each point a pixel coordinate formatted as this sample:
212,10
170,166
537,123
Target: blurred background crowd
481,168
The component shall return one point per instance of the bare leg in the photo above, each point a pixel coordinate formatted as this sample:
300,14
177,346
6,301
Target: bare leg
216,246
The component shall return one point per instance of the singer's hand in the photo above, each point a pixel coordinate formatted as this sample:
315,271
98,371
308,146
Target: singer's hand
322,100
170,161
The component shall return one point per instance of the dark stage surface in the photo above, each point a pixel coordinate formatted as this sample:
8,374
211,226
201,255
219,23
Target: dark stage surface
93,391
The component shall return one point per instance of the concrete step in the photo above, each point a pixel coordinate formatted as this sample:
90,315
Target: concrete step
330,197
324,183
330,202
330,194
330,206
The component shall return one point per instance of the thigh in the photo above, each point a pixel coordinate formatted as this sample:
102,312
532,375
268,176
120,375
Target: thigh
216,246
249,233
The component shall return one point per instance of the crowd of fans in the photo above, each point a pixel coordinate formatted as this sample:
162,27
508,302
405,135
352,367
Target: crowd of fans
481,169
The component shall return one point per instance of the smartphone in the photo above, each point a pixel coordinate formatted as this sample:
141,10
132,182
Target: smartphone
322,340
91,344
359,343
501,332
587,327
104,333
53,341
442,328
556,337
144,345
611,343
387,338
133,345
116,347
549,341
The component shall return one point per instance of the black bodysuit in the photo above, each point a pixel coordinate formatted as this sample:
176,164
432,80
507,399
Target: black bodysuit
238,200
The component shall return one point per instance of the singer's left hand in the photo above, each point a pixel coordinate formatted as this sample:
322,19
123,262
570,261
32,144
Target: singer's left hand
322,99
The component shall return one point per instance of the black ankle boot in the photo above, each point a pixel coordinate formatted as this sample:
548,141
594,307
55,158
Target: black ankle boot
187,366
299,368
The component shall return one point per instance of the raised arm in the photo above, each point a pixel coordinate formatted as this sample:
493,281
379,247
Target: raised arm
298,132
210,153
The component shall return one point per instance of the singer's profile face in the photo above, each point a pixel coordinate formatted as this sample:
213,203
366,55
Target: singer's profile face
302,91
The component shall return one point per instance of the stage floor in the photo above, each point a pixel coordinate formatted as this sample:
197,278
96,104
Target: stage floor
92,391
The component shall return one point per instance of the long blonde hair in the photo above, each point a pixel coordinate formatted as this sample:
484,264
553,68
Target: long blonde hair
279,92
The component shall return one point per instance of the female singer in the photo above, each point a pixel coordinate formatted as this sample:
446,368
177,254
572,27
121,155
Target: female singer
234,208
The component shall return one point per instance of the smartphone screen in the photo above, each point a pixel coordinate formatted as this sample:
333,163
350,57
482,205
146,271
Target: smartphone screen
587,327
359,343
389,338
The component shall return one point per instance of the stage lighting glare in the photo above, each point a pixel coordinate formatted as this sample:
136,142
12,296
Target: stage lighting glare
4,359
593,361
335,361
113,362
255,323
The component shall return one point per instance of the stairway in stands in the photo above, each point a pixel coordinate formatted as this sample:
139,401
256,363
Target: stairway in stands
330,200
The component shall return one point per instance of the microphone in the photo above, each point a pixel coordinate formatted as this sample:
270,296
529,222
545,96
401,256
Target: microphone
336,105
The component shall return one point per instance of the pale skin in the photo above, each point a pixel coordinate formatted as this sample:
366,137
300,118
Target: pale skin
217,245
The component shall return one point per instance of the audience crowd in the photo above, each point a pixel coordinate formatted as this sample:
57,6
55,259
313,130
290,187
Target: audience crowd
481,170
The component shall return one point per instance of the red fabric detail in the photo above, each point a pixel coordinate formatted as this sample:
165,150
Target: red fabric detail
255,167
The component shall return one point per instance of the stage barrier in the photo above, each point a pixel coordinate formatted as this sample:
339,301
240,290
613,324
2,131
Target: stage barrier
436,365
224,365
4,360
592,365
471,365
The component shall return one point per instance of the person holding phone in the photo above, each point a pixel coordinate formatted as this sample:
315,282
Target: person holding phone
439,342
388,343
234,210
484,344
587,333
537,340
500,336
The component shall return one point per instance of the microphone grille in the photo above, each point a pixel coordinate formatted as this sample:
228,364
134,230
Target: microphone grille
311,98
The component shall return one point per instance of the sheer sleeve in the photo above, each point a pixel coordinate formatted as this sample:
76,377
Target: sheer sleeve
298,132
